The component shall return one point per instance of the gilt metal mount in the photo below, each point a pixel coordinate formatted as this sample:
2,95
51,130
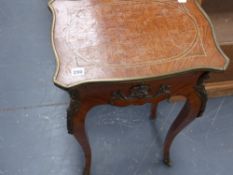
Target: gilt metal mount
141,92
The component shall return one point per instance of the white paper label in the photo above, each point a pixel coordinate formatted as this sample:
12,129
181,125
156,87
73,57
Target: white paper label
182,1
78,71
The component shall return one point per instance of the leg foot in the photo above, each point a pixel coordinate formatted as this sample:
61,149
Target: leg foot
167,162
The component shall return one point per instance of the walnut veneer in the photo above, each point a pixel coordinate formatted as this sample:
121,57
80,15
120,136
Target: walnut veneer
124,52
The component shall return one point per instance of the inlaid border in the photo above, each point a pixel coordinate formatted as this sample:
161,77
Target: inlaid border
197,40
66,86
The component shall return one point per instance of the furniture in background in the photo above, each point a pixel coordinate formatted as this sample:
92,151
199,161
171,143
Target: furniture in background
221,15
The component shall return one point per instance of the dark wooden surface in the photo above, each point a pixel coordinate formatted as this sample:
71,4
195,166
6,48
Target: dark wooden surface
221,15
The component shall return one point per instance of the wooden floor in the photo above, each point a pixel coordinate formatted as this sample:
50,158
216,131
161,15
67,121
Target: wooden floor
33,135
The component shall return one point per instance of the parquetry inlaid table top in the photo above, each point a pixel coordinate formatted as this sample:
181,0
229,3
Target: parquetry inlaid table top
130,39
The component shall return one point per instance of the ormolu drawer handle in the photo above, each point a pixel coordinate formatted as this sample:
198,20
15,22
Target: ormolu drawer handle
141,92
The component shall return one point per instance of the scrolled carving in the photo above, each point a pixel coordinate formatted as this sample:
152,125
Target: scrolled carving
140,92
200,88
164,90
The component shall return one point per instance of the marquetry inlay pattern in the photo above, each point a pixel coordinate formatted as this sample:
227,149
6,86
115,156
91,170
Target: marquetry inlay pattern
128,39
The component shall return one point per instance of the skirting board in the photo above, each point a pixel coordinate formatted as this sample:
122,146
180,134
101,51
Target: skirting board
219,89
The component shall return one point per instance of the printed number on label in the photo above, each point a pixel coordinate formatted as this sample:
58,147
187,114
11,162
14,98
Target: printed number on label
182,1
78,71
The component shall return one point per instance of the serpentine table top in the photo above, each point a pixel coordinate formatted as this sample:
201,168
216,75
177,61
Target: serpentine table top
112,40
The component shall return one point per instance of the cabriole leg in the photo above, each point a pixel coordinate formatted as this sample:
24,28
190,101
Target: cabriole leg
193,107
76,126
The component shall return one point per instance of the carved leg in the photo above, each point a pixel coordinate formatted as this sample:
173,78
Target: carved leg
153,111
77,128
192,109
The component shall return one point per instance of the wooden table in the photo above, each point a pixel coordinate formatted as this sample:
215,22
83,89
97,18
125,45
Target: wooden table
132,52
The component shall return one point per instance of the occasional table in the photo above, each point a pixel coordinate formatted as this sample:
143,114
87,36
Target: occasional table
125,52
